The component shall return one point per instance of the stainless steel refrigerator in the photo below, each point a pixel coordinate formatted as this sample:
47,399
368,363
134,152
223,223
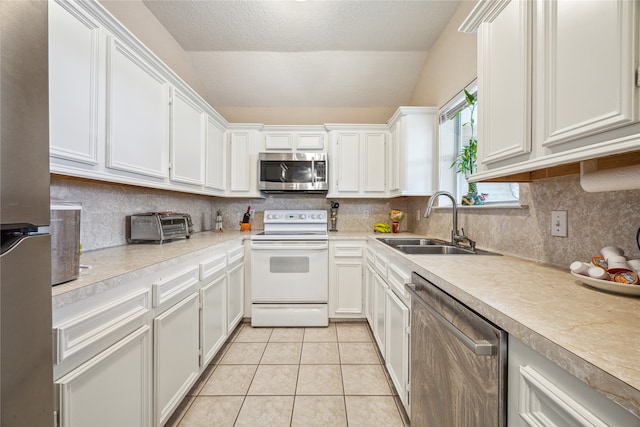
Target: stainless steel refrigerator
26,370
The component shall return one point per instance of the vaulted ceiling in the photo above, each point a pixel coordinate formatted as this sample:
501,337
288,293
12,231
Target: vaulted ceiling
317,53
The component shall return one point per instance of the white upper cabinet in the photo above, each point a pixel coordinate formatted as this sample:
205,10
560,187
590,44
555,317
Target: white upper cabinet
243,161
374,179
187,140
588,67
311,141
216,157
75,60
504,74
138,114
411,161
346,171
557,82
294,138
358,161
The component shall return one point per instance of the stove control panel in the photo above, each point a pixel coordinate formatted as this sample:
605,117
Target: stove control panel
295,216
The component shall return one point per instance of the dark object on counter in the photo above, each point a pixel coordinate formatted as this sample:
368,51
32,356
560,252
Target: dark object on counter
638,238
247,216
218,225
65,242
334,215
158,227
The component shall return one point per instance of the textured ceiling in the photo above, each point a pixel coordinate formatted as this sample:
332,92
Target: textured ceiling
284,53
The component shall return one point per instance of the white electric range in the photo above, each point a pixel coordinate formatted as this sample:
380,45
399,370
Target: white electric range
289,269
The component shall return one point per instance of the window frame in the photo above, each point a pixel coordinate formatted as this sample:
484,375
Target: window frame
452,131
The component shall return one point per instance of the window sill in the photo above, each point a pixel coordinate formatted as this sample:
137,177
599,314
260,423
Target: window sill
485,207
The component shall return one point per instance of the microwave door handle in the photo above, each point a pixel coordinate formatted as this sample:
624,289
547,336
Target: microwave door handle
283,172
313,173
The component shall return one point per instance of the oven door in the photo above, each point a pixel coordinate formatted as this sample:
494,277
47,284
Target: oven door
289,271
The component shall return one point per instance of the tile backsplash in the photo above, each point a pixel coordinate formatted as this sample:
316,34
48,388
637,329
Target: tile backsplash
105,207
595,219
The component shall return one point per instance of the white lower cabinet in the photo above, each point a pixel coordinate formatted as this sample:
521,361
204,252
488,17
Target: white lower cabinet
379,312
176,355
397,345
345,280
369,282
235,294
111,389
540,393
387,308
213,317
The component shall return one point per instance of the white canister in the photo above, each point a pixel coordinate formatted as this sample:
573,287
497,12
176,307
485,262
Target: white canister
599,273
579,267
611,251
617,263
634,264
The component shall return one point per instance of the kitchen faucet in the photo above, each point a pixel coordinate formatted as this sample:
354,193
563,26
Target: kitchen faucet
456,238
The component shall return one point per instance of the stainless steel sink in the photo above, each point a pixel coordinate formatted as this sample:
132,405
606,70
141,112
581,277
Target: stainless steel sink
412,241
434,250
426,246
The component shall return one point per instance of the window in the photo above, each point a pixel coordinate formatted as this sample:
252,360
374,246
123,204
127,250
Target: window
454,134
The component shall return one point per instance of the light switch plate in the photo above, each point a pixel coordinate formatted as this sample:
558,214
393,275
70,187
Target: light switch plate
559,223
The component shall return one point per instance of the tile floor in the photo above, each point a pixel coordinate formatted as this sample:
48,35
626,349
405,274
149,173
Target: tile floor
294,377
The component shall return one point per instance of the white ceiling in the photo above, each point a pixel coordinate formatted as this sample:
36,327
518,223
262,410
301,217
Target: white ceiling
318,53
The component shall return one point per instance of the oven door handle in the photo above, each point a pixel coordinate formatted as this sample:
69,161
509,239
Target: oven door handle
280,246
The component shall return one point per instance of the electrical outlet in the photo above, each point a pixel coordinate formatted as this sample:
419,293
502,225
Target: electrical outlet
559,223
418,215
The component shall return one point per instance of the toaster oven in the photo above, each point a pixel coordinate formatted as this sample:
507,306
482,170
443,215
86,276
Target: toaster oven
158,227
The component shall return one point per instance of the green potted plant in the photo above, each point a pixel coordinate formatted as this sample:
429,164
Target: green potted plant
465,162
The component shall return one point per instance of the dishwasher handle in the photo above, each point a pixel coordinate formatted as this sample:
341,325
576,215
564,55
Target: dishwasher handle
481,348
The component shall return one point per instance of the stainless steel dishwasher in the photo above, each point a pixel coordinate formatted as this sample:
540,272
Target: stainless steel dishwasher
458,362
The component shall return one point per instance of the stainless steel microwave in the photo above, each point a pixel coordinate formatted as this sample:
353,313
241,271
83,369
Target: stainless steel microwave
291,172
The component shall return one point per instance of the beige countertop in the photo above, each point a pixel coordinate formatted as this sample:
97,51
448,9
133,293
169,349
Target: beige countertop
592,334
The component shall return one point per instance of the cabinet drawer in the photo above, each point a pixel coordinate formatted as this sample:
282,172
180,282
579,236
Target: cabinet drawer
235,254
397,278
345,251
167,289
381,264
213,267
100,327
371,258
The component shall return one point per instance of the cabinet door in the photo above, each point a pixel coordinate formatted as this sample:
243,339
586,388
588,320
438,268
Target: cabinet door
235,302
216,163
240,162
347,160
187,140
111,389
346,280
379,305
176,355
504,83
278,141
397,341
310,141
393,160
369,284
138,114
588,67
213,317
374,163
74,92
